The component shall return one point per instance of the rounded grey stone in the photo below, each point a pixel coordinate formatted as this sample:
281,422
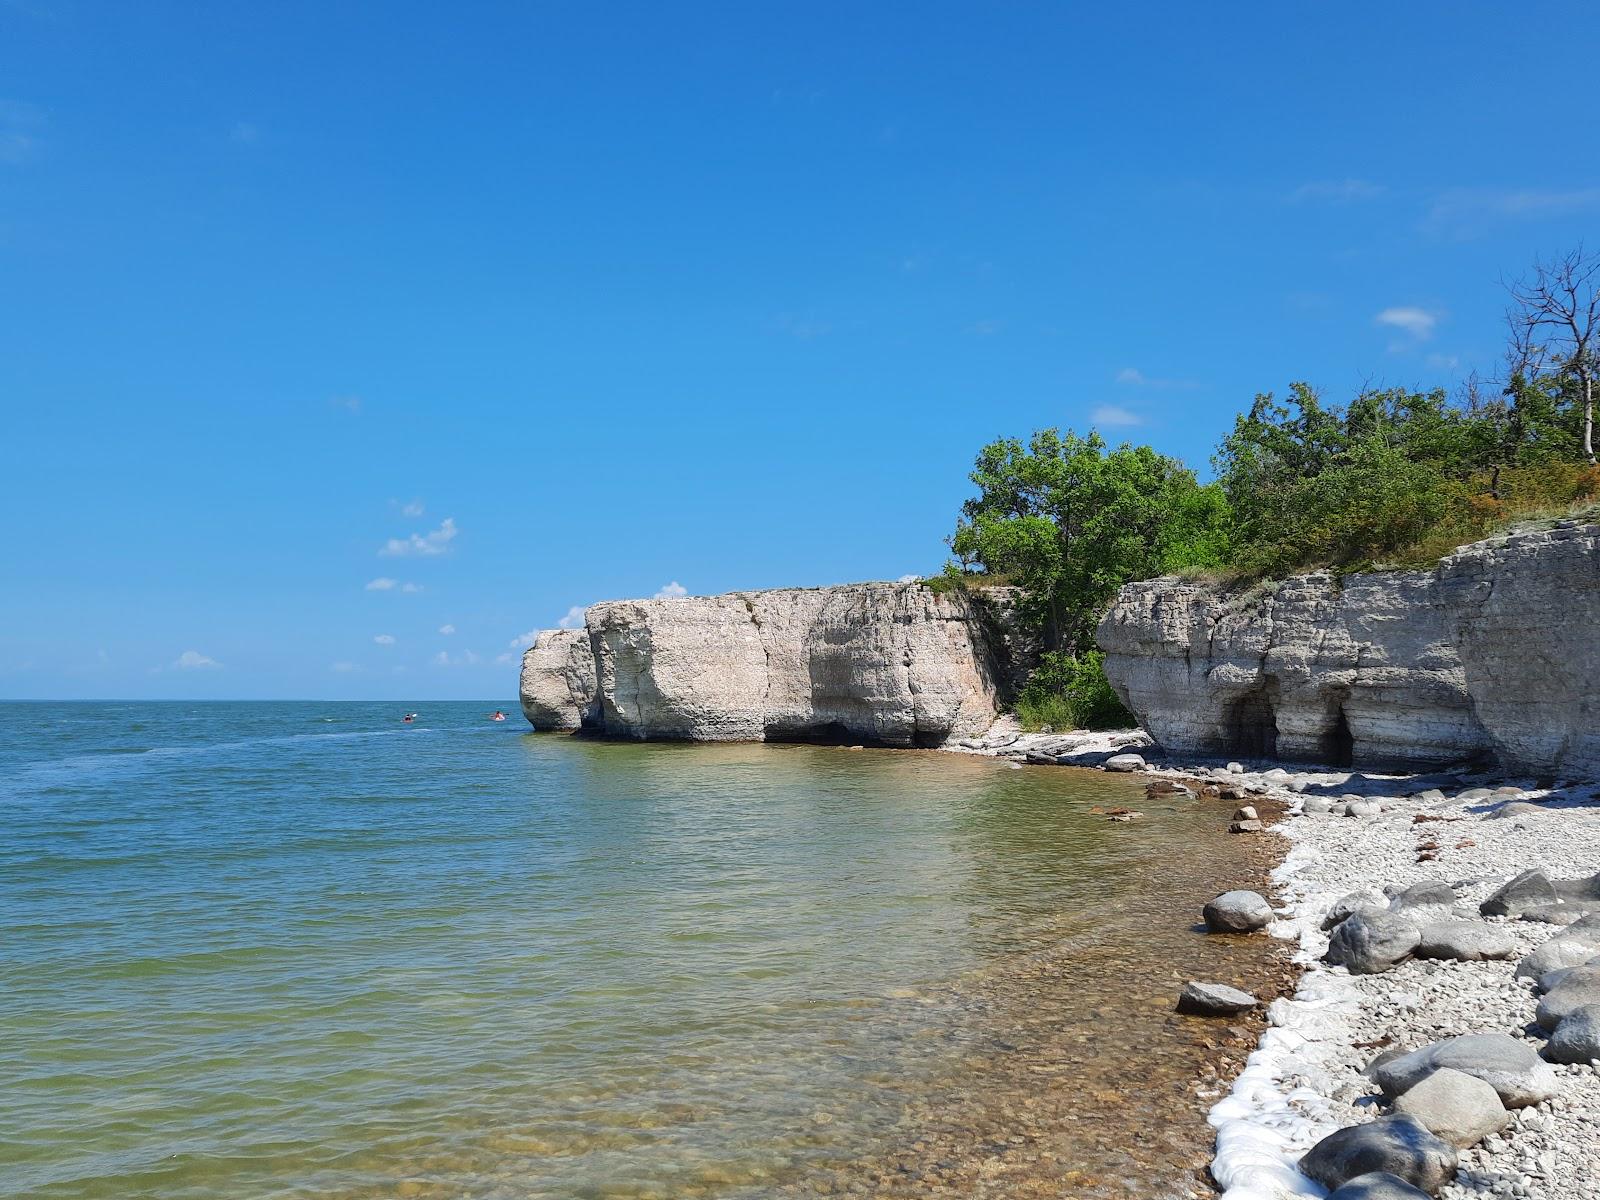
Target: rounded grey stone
1460,1108
1238,912
1577,1038
1377,1185
1397,1144
1214,1000
1465,941
1509,1066
1371,941
1578,988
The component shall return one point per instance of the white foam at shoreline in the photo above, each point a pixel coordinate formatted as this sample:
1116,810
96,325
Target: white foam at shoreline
1262,1124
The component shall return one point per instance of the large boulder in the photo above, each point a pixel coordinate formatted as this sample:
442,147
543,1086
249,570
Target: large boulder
1460,1108
1579,988
1371,941
1577,1038
1465,941
1238,912
1398,1144
1511,1068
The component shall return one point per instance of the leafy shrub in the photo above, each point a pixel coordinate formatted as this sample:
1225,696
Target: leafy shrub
1067,692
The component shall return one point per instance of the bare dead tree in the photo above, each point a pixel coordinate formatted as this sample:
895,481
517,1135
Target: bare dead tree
1555,325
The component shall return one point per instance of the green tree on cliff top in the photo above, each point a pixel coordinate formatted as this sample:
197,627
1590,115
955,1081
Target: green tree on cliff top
1069,521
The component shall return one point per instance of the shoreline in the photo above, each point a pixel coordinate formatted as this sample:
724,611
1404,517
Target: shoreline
1304,1079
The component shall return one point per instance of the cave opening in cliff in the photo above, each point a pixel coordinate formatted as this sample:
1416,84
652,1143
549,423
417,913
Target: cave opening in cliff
1253,725
1338,744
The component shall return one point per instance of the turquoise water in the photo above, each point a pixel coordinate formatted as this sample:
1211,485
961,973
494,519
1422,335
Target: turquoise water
255,950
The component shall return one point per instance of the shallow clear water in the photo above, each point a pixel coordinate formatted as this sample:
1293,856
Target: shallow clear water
302,950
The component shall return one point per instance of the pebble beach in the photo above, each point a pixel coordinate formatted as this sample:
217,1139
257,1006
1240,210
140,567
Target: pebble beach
1427,850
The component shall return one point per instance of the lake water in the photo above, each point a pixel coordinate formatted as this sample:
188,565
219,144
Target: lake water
300,949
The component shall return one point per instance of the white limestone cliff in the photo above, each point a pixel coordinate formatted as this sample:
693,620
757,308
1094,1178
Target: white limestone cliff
1493,653
558,687
885,663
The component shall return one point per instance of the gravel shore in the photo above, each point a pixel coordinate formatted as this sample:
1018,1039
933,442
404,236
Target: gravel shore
1305,1080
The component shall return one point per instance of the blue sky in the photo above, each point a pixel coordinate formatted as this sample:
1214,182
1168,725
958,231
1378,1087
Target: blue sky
543,304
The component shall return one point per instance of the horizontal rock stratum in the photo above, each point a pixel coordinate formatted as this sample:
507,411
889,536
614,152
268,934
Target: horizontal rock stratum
893,664
1494,653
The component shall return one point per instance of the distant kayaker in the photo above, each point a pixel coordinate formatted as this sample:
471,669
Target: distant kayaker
497,716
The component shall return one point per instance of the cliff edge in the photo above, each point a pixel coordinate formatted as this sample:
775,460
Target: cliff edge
1493,654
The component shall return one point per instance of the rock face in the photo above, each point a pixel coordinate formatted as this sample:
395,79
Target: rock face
1486,655
558,684
882,663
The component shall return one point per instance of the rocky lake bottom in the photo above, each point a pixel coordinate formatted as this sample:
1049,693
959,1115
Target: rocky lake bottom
297,949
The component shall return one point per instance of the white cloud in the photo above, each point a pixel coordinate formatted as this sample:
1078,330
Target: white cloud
671,591
505,659
465,659
410,587
1443,362
573,619
441,659
447,630
412,508
523,640
1418,322
384,639
193,660
1133,377
1111,414
381,584
425,544
909,579
1338,191
19,126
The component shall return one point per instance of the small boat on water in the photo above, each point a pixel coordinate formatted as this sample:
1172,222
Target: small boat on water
409,718
497,715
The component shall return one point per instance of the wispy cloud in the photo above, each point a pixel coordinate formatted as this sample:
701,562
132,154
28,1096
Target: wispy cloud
382,584
1443,362
1417,322
447,630
410,587
384,639
1470,212
909,579
351,404
1133,377
671,591
422,544
466,658
193,660
523,640
411,508
505,659
20,125
1112,414
573,619
1337,191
